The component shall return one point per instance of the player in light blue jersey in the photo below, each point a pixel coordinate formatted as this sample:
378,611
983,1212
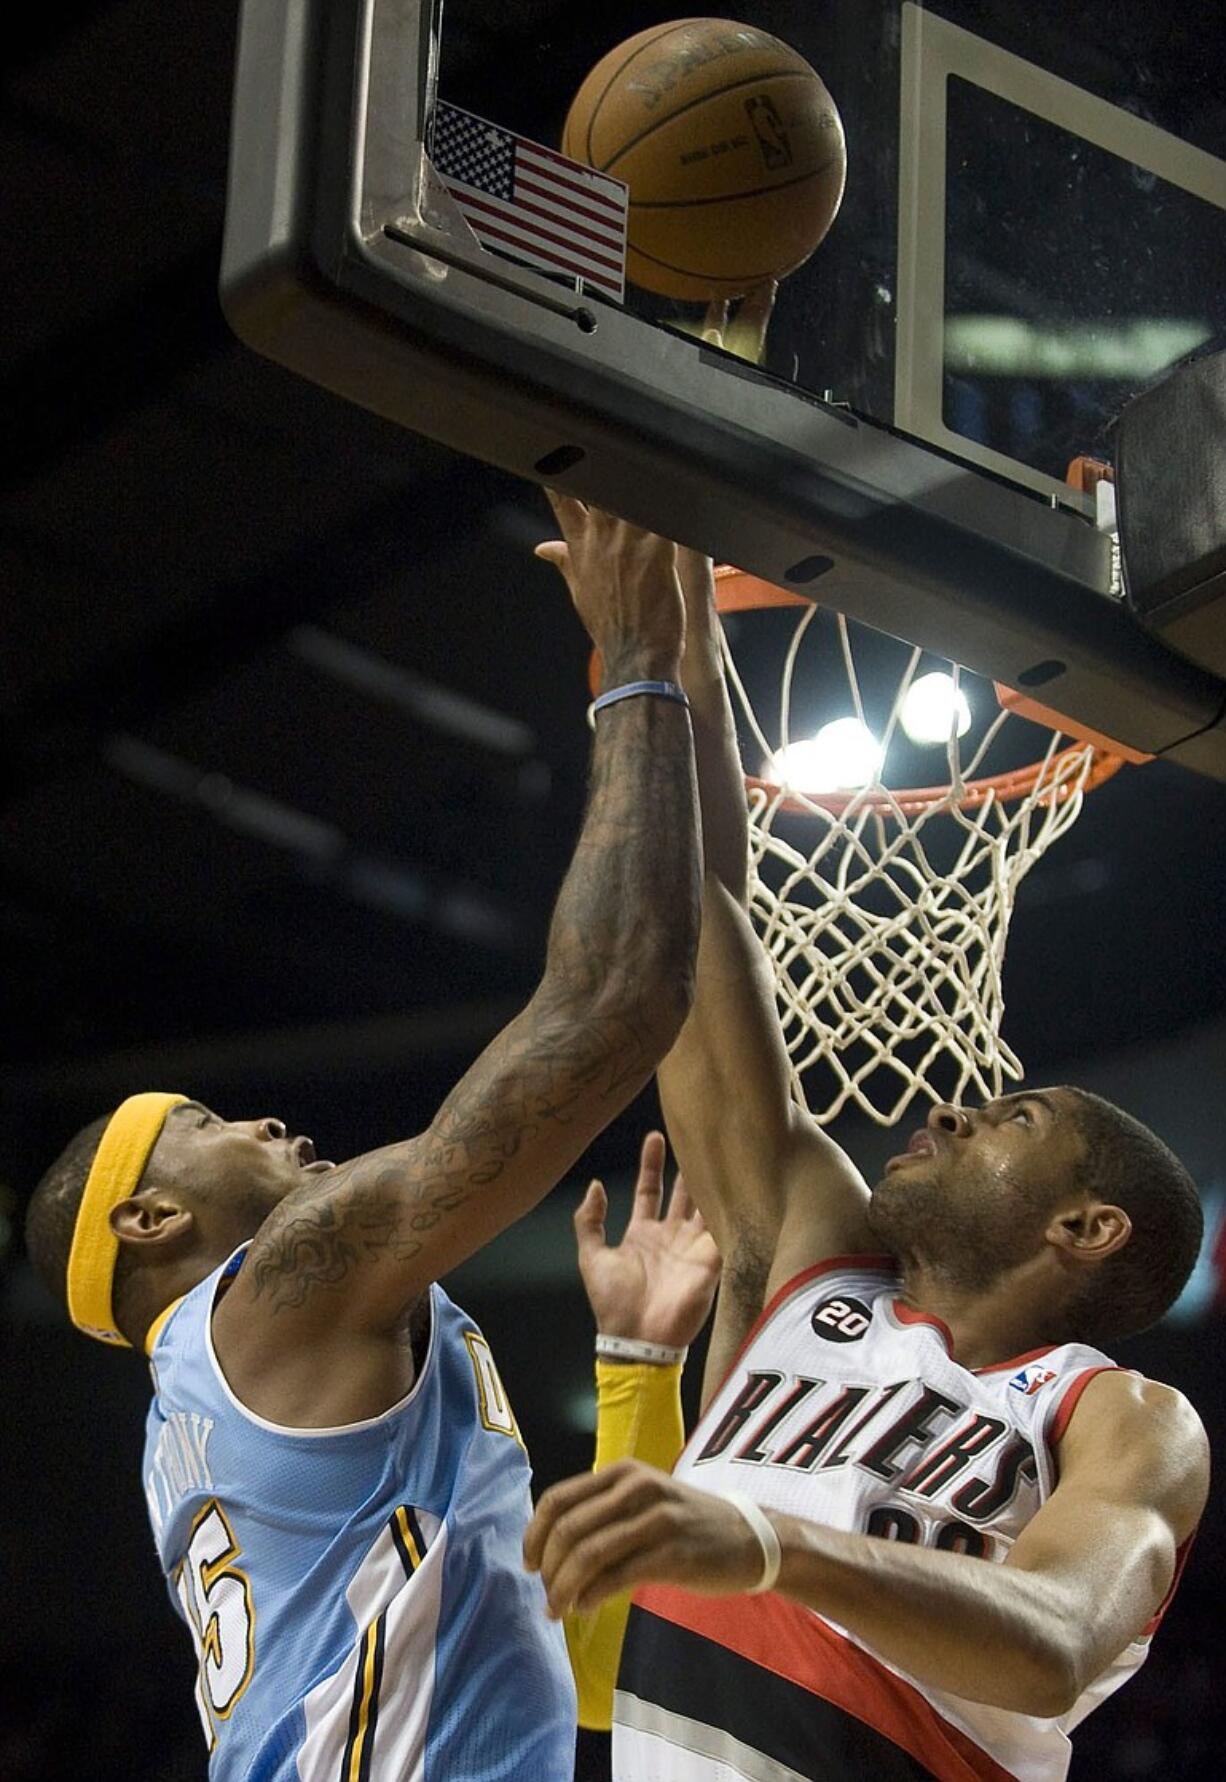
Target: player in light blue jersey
335,1478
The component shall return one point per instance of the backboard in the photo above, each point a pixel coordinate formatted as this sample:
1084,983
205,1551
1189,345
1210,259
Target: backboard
1033,230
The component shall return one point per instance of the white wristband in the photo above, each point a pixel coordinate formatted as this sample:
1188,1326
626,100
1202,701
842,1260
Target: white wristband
768,1540
615,1348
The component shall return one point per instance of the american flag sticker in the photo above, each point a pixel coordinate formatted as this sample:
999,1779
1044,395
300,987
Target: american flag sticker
531,203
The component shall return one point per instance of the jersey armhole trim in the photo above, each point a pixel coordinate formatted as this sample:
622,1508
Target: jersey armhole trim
1060,1413
154,1333
338,1429
1181,1559
902,1313
869,1265
1016,1361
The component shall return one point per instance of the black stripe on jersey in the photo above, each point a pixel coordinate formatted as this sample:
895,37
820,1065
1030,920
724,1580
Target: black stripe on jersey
409,1559
686,1674
364,1709
368,1747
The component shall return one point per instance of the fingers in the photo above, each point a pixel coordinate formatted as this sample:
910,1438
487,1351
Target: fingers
745,335
585,1526
589,530
681,1205
759,304
555,1502
589,1219
715,321
593,1566
649,1188
568,509
556,552
748,333
622,579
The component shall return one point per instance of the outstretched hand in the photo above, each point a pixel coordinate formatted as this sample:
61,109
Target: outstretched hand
602,1533
624,584
659,1282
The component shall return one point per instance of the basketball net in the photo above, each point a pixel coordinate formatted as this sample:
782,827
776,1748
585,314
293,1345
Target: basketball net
885,912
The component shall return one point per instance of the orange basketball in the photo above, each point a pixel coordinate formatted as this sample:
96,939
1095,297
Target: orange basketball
731,146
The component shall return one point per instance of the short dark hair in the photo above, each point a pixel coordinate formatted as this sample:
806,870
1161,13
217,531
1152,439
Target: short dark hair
52,1214
1126,1165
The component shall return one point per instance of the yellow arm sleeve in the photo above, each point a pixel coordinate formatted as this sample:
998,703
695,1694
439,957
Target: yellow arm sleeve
638,1417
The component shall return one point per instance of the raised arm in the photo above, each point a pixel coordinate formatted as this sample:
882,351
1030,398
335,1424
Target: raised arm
351,1250
655,1288
1083,1580
776,1192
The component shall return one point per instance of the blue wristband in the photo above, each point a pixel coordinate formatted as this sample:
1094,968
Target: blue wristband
633,690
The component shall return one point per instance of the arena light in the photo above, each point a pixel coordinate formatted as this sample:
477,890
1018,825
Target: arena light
934,709
1007,346
842,757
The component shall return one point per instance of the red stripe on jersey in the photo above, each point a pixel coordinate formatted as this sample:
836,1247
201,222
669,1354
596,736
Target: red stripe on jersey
1016,1361
1069,1400
908,1315
1181,1559
796,1644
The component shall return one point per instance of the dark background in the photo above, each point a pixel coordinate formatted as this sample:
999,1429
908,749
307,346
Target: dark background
293,760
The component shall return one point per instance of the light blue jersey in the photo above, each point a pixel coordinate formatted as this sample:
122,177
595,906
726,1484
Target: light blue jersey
356,1596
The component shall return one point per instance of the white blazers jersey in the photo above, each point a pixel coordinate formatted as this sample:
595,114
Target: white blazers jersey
846,1408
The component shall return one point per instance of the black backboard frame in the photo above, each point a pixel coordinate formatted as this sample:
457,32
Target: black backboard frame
346,261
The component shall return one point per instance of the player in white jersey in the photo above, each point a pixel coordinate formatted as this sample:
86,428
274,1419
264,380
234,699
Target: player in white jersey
334,1476
954,1523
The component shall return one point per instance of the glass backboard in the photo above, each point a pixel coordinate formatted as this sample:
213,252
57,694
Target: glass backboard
1033,230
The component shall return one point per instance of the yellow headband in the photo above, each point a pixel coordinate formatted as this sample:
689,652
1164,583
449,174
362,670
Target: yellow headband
115,1174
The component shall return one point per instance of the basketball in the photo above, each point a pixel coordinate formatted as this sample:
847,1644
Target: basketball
732,149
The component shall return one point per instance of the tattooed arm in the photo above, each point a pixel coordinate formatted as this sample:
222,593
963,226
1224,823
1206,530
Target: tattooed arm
336,1266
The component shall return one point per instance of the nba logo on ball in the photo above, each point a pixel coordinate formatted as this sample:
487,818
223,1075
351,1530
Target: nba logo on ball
769,129
841,1320
1028,1380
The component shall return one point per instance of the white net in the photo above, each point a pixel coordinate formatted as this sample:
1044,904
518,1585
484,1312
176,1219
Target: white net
886,914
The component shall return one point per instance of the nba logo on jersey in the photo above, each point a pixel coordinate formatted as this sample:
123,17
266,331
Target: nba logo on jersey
1028,1380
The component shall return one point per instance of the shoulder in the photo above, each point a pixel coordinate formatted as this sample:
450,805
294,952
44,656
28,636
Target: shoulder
1146,1438
1131,1402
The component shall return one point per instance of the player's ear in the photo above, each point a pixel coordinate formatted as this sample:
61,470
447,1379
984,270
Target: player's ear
151,1220
1089,1233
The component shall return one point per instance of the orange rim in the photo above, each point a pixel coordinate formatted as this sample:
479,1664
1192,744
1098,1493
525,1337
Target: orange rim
1003,787
736,591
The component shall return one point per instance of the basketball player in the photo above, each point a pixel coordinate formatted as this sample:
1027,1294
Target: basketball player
335,1479
925,1525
